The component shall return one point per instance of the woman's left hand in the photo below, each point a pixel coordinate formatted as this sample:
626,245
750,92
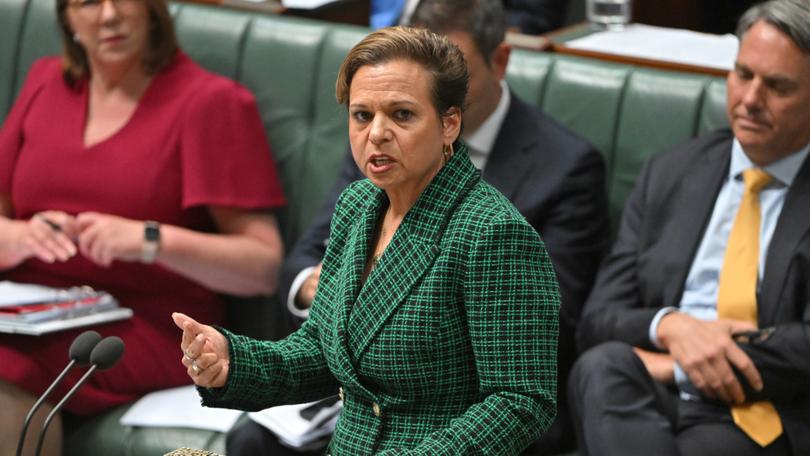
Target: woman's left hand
104,238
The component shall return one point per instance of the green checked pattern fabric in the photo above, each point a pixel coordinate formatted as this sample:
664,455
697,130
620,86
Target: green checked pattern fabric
449,347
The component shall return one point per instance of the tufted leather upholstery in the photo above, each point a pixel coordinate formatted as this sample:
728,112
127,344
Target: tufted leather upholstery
290,65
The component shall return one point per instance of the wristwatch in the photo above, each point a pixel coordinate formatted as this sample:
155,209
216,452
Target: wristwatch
151,241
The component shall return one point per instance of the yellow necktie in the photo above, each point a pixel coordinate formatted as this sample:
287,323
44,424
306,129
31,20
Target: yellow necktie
737,298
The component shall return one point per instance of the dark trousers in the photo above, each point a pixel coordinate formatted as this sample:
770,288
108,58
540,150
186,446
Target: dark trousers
618,409
252,439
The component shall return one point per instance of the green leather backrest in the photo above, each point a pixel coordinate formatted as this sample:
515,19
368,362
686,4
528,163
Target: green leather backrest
39,36
713,109
593,111
12,13
658,112
290,65
628,113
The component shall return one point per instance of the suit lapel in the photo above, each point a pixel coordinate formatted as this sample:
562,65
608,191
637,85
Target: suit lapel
509,160
411,252
354,258
694,206
793,224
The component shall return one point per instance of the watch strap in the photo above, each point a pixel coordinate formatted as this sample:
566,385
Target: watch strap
151,241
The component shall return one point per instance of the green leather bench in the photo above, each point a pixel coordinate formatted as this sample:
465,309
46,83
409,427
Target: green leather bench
290,64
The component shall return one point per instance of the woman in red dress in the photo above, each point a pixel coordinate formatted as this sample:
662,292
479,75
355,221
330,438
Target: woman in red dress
121,140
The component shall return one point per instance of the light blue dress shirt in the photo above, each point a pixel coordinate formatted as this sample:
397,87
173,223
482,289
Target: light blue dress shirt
699,298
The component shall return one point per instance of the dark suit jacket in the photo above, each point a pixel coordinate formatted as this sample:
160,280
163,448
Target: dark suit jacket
555,179
448,347
662,226
535,17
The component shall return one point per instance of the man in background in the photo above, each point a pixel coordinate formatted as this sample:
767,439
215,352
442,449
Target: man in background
532,17
699,322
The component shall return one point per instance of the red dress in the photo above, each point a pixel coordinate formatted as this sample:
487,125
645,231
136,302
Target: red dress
195,140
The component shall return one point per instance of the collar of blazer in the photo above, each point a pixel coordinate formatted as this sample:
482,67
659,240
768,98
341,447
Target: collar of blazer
412,250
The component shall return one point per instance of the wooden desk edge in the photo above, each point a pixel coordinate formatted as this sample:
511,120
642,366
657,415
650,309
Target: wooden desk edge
640,61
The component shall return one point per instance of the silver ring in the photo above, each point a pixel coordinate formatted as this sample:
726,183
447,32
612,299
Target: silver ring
188,355
195,367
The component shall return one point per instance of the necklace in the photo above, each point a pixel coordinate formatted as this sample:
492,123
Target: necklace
374,261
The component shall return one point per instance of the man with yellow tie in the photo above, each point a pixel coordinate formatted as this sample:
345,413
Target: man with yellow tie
698,328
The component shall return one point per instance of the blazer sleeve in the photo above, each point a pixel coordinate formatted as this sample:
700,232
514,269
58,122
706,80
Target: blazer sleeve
614,310
783,360
512,300
264,373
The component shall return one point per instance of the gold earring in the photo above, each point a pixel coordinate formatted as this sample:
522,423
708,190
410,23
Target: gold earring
448,152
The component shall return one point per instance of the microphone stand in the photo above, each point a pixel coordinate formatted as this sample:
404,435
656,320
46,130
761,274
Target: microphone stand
59,406
39,403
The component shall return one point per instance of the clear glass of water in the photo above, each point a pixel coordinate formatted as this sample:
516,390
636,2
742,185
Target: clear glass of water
609,14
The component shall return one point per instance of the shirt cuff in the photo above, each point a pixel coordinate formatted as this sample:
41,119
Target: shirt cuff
686,391
653,331
681,378
294,288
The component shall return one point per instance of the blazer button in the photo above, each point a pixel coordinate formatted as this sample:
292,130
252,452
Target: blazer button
377,410
340,394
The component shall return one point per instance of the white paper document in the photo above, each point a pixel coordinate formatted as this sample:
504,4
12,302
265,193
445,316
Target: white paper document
178,407
38,328
299,425
14,294
306,4
664,44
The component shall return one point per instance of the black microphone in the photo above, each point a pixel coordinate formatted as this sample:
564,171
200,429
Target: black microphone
79,352
103,356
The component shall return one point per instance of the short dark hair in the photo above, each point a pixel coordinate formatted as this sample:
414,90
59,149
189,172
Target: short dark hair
792,17
162,43
484,20
443,60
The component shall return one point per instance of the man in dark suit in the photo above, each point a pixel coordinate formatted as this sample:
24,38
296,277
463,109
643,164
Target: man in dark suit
698,327
555,178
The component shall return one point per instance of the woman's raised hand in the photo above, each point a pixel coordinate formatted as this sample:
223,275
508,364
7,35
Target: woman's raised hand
205,352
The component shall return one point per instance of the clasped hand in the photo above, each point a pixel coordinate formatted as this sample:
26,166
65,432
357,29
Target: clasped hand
205,352
706,351
57,236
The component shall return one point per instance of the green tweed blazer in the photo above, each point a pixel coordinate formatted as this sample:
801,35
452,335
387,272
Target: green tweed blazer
449,347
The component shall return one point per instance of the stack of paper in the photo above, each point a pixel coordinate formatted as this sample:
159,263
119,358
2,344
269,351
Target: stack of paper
36,309
301,426
178,407
306,4
666,44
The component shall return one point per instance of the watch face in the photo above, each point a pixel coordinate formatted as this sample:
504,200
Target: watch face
152,231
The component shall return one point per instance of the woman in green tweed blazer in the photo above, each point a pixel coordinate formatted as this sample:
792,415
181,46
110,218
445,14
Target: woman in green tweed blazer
436,315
